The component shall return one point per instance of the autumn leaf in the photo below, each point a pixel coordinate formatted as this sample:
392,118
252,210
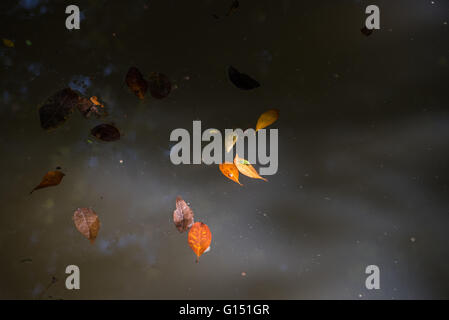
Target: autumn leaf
230,141
183,215
136,82
87,223
159,85
241,80
56,110
51,178
106,132
246,168
267,118
87,107
8,43
199,238
230,171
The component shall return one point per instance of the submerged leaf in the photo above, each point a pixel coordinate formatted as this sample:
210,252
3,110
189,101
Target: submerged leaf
230,171
56,110
136,82
159,85
183,215
267,118
51,178
87,223
106,132
87,107
241,80
199,238
246,168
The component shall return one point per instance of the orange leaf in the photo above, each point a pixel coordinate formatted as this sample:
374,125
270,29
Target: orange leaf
230,171
267,118
51,178
199,238
246,168
87,222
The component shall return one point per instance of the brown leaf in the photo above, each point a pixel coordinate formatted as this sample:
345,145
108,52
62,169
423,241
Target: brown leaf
51,178
230,171
136,82
56,110
106,132
199,238
267,118
182,216
87,223
246,168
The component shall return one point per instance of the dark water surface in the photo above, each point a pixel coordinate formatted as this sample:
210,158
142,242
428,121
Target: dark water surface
363,150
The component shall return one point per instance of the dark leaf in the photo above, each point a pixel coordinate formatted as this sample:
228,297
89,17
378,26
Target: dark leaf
88,107
106,132
241,80
55,111
136,82
159,84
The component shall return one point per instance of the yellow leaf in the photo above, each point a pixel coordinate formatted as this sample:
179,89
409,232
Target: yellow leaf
8,43
267,118
246,168
230,140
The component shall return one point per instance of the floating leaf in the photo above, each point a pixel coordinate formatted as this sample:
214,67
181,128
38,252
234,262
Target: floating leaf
87,222
106,132
8,43
28,42
51,178
136,82
241,80
367,32
246,168
230,140
87,107
267,118
159,85
56,110
230,171
183,215
199,238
